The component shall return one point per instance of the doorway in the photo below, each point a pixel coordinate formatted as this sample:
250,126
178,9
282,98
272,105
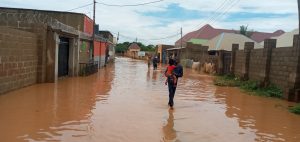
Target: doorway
63,57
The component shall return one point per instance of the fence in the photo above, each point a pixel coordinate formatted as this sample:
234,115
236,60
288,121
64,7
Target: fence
88,68
279,66
268,65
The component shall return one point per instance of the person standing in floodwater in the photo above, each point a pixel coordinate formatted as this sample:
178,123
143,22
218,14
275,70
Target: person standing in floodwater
149,61
171,81
173,72
155,61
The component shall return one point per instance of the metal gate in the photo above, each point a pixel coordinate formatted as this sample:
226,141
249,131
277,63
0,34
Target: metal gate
63,57
226,62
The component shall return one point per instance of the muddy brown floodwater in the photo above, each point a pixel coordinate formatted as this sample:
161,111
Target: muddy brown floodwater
126,102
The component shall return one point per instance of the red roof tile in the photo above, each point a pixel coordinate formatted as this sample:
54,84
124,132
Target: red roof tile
208,32
260,36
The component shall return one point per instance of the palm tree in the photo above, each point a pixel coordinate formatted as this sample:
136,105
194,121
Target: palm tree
244,31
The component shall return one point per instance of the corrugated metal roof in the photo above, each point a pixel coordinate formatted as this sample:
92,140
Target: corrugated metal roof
198,41
224,41
286,40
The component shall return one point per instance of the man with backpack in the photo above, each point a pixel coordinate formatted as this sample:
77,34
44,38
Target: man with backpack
177,72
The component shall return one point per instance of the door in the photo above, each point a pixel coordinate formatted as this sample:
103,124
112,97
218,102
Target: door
63,57
226,62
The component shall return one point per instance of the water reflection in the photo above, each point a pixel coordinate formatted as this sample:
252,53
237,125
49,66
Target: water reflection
53,112
267,118
127,102
168,129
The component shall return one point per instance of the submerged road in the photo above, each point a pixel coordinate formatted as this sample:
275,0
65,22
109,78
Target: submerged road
126,102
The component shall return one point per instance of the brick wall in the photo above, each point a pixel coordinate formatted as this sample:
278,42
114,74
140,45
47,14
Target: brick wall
195,52
239,62
18,59
279,66
283,64
257,65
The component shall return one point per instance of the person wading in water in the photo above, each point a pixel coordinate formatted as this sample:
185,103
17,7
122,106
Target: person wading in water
173,73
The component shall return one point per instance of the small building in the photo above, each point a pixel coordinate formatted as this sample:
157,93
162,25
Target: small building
286,40
224,41
161,52
133,50
207,32
104,47
59,45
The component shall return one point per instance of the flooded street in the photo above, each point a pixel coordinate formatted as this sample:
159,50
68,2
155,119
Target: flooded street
126,102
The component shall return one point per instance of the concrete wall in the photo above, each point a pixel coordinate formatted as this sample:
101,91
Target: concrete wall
194,52
84,51
279,66
257,65
283,66
239,62
22,17
100,53
18,59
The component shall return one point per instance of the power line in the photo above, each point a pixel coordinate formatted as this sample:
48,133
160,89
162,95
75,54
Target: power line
220,16
130,5
167,37
148,40
214,13
80,7
214,18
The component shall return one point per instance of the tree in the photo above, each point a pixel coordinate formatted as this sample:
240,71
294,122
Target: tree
122,47
244,31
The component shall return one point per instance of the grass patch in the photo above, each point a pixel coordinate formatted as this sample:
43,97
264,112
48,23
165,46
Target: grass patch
227,80
295,109
249,86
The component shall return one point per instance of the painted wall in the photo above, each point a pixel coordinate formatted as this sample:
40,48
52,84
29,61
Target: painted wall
84,51
88,25
99,52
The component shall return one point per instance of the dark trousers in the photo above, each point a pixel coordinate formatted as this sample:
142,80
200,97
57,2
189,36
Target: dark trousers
154,66
172,90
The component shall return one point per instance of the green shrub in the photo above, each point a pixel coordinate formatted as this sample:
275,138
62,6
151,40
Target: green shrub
295,109
249,86
227,80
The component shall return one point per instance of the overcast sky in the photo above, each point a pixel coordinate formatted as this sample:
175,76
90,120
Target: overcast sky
163,19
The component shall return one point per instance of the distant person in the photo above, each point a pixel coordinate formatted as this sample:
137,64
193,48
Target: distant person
149,61
155,61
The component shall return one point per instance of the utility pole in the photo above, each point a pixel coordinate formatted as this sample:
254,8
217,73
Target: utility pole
136,39
180,43
299,16
118,38
94,23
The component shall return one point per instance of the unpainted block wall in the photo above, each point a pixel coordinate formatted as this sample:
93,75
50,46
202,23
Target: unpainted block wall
239,63
283,65
257,65
18,59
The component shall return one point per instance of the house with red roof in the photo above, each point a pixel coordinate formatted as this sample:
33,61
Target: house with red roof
207,32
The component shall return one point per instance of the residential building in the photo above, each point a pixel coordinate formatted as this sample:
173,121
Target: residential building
133,50
207,32
224,41
161,52
61,44
286,39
